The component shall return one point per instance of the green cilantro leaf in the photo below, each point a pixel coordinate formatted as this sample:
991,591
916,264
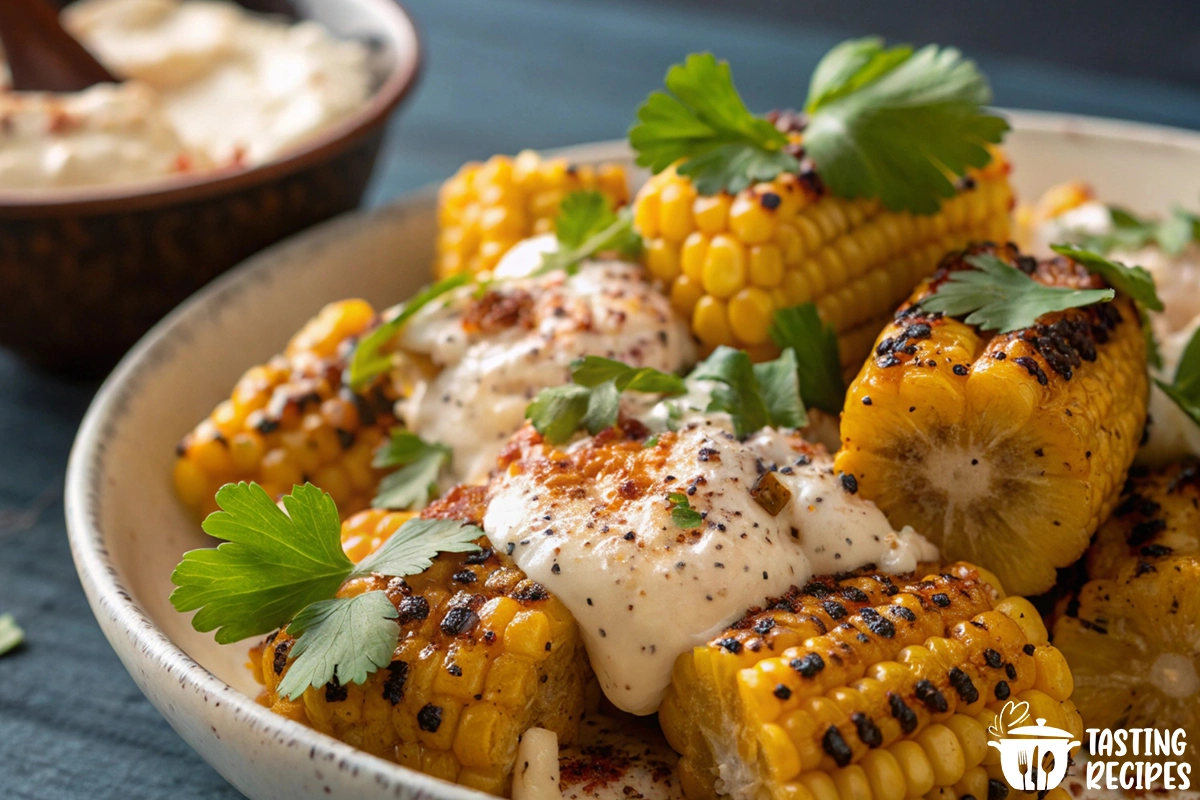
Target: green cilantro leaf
586,227
682,513
271,565
702,121
754,395
415,483
997,297
890,123
411,549
1131,232
1185,389
343,639
11,634
1153,354
815,344
592,399
1136,282
368,360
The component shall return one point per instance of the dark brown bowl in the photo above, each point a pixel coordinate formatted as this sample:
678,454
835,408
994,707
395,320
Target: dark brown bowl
84,273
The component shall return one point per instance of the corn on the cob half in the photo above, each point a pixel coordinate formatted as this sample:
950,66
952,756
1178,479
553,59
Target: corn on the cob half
731,261
1004,450
484,209
484,655
289,421
861,688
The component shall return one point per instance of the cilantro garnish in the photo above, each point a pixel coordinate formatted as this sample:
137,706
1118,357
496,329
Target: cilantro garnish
368,360
704,122
888,123
1136,282
754,395
592,399
586,226
997,297
818,363
1131,232
415,483
1184,390
11,634
682,513
278,566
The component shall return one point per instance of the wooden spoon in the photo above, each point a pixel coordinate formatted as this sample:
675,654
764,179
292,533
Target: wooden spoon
43,57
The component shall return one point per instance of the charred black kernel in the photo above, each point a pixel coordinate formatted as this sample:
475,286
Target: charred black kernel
1033,368
530,592
862,637
993,659
1002,690
1028,649
782,692
455,670
479,557
281,657
770,200
464,576
1143,569
809,665
268,425
430,717
1156,550
903,613
835,746
1137,503
868,734
345,438
959,369
762,626
393,687
849,483
877,624
835,610
815,589
902,713
931,696
887,361
731,645
853,594
962,684
1010,671
335,692
941,599
413,609
459,621
997,790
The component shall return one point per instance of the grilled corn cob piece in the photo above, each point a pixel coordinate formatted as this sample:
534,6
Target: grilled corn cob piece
731,261
1004,450
1133,642
862,689
484,654
1158,516
289,421
487,208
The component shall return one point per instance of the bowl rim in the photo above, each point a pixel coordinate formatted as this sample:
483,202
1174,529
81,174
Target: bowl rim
100,577
375,112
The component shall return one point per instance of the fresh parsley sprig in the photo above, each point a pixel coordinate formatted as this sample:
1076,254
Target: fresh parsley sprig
1134,281
888,123
997,297
592,399
818,363
587,226
369,360
1184,390
682,513
277,566
1131,232
420,462
754,395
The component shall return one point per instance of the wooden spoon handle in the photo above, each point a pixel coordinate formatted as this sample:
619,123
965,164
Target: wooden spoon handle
43,57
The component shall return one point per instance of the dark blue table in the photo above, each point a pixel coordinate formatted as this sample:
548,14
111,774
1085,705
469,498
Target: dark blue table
500,76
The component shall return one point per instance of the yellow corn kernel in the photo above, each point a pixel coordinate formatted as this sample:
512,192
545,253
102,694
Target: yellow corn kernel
750,315
711,213
1053,674
645,214
819,785
528,635
750,221
212,455
914,763
974,783
944,752
766,265
685,294
710,321
662,257
693,255
972,738
724,267
780,754
675,211
884,775
852,781
1022,612
191,484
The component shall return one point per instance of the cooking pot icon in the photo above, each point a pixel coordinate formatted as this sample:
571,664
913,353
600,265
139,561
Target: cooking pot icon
1024,759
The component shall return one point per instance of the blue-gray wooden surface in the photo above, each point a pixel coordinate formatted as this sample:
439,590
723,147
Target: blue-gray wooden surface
501,75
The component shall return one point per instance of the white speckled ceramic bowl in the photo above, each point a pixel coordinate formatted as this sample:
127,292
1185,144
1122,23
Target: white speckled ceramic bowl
127,531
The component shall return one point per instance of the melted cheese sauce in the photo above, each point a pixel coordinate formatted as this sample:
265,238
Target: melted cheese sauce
531,330
602,538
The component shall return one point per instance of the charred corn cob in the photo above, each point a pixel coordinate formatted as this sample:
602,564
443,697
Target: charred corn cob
731,261
861,688
1158,516
484,654
1133,642
487,208
290,421
1005,450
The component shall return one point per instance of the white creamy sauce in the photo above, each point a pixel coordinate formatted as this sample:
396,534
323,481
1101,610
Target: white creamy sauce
209,86
642,588
488,378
